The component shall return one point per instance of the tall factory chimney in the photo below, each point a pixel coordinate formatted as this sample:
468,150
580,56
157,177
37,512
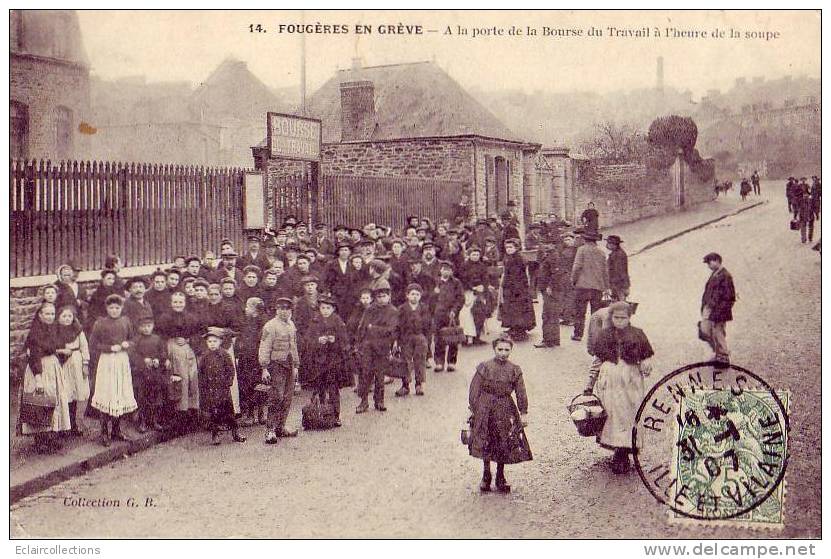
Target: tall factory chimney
659,85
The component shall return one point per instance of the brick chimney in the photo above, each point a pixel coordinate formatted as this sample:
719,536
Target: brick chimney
357,103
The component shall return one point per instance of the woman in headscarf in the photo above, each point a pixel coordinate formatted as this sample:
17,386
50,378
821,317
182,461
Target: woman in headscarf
516,310
74,357
497,424
43,375
625,353
69,292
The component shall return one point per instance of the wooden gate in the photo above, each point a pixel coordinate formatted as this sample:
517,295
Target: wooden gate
355,201
295,195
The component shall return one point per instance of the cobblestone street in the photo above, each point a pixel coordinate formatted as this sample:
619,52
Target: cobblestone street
404,473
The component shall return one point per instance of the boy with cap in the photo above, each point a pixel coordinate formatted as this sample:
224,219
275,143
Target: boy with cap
326,341
415,324
449,300
216,373
376,335
149,366
279,360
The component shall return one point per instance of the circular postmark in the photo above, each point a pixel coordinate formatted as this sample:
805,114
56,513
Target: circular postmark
711,443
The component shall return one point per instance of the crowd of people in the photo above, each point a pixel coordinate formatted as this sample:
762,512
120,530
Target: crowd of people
804,202
216,342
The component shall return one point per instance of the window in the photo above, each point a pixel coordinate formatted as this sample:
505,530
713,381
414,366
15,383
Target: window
18,130
63,133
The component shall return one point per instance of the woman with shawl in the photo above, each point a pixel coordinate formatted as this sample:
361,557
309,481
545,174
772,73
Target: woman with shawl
625,353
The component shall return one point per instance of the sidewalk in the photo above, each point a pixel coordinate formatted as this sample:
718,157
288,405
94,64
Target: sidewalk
31,472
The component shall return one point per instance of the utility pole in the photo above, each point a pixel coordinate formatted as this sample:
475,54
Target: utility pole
303,67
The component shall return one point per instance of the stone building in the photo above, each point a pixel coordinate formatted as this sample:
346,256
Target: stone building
414,120
49,86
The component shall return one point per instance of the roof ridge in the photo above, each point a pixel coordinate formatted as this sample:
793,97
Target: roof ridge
385,66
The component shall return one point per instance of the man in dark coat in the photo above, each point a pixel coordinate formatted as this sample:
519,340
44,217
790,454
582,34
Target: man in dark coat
754,180
805,214
717,307
254,256
321,241
551,280
336,278
568,252
618,264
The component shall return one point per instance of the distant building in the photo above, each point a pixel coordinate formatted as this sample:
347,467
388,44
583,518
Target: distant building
49,85
170,122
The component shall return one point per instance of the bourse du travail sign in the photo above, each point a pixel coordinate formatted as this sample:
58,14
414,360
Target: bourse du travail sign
293,137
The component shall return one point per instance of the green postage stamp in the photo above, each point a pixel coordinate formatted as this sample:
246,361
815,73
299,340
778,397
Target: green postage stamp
712,444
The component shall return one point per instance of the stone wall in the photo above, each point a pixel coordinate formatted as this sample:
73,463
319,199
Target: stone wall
446,159
42,85
624,193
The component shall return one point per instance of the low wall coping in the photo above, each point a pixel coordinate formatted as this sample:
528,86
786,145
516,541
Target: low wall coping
83,277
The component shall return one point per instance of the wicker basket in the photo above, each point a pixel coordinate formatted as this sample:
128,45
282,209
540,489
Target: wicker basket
592,425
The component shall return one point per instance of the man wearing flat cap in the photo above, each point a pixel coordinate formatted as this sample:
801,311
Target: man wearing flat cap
279,359
717,307
254,256
618,264
321,241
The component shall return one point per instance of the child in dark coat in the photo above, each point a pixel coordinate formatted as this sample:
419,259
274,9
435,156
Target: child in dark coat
149,365
249,372
216,370
326,342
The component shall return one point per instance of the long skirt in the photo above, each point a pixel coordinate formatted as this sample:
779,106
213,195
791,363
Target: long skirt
114,385
620,387
497,433
183,362
466,316
77,386
52,380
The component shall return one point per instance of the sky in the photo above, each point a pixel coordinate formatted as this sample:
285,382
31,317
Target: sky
188,45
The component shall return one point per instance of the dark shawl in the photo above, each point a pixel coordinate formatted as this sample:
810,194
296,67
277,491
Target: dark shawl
629,344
